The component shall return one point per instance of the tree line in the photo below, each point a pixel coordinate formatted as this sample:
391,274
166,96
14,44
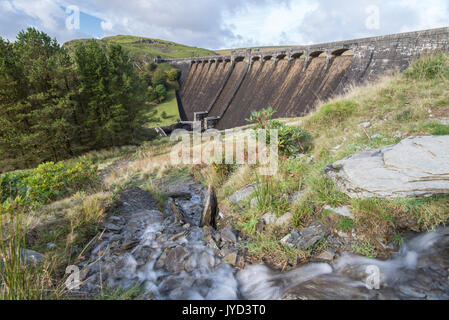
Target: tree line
55,104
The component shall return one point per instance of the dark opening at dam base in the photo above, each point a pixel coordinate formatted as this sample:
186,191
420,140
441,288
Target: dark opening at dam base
222,91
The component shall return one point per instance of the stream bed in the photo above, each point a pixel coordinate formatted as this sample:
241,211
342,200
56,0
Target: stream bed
142,246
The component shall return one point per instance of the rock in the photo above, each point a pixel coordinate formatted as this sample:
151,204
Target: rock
365,125
416,167
31,256
243,193
210,209
174,262
179,195
228,235
285,220
411,293
306,238
326,256
295,198
341,211
310,159
376,136
112,227
51,246
177,211
231,259
269,219
260,226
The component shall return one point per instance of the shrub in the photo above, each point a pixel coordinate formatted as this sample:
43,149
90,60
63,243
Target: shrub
291,140
261,118
173,75
161,93
164,115
159,78
429,67
48,182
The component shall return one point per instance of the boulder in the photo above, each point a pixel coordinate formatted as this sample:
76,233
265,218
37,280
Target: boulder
31,256
306,238
210,209
416,167
341,211
285,220
228,235
243,193
269,219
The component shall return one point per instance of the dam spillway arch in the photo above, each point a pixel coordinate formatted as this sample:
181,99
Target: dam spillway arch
225,89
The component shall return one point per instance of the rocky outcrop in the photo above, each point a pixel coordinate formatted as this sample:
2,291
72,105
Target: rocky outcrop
416,167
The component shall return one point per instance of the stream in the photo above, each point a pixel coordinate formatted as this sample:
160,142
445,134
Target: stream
141,245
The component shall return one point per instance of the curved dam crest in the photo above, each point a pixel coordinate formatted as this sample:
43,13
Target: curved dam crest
224,90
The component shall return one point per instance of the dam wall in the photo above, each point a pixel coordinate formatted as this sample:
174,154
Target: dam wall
226,89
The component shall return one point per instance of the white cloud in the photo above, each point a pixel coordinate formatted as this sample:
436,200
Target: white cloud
230,23
107,26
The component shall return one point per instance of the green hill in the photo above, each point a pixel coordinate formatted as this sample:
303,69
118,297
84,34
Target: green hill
142,49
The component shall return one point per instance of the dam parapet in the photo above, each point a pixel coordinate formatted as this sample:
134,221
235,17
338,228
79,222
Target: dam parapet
292,80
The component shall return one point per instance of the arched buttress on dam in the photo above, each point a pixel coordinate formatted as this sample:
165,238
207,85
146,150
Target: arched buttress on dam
226,89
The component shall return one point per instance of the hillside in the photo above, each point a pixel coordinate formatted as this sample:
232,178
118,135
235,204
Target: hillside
142,49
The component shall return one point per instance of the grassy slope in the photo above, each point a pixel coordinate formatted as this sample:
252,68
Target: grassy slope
170,106
149,48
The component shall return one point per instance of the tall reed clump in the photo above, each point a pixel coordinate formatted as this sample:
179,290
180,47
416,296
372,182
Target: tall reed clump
19,279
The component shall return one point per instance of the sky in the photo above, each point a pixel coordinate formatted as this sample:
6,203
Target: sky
220,24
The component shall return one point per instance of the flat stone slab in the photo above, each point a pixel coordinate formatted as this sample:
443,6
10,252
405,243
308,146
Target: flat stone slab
416,167
243,193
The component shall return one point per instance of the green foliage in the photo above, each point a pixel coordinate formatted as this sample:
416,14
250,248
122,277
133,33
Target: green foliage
161,92
19,279
173,75
441,130
159,78
346,224
365,249
291,140
48,182
54,106
261,118
335,112
429,68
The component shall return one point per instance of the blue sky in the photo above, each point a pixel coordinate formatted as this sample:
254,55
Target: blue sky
217,24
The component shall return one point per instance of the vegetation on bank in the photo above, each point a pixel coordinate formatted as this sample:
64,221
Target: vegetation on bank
55,106
396,107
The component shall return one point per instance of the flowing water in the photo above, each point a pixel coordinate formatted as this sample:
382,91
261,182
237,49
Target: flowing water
173,262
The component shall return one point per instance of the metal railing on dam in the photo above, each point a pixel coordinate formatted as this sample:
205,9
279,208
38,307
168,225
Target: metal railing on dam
226,89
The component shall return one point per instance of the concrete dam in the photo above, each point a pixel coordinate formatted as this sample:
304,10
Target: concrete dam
222,91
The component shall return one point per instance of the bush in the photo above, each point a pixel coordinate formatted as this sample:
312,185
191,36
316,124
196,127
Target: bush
430,67
161,93
173,75
291,140
159,78
48,182
261,118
